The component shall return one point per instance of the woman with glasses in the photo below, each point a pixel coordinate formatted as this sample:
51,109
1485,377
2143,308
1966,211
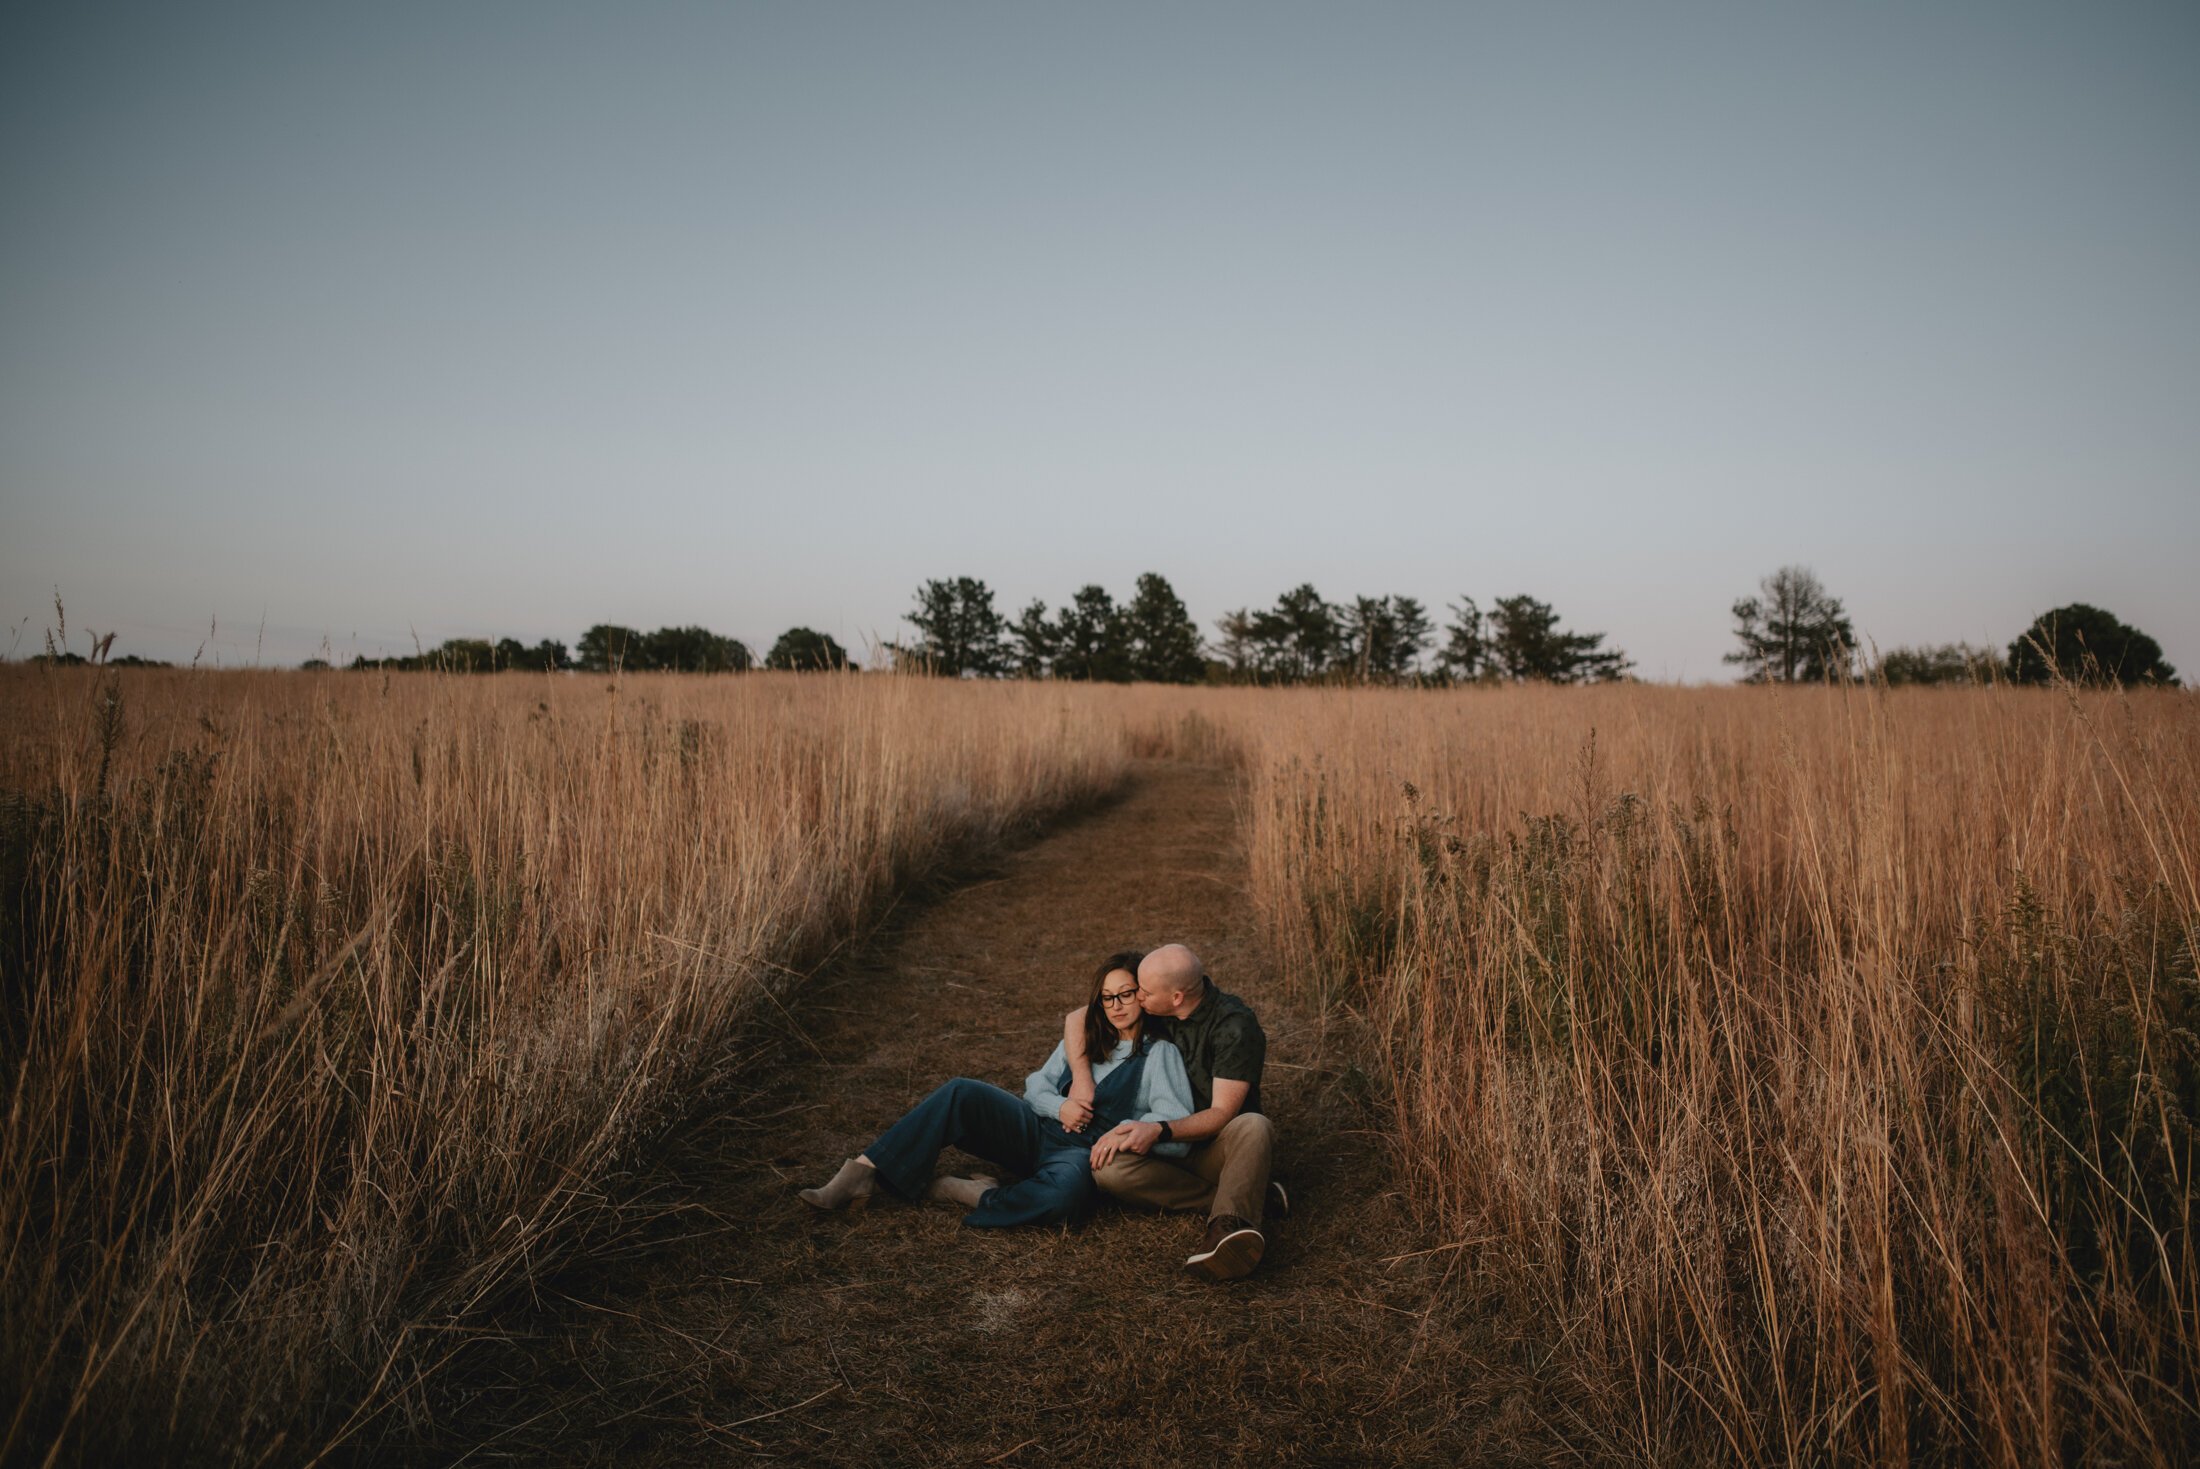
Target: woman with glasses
1037,1134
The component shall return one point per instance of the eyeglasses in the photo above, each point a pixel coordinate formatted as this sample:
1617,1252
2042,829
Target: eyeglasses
1121,996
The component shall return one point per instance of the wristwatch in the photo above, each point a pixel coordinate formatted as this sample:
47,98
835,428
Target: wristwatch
1167,1132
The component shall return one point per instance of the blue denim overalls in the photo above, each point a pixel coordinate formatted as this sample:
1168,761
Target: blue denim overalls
1001,1128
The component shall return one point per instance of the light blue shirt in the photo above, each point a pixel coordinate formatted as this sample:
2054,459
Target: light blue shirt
1164,1089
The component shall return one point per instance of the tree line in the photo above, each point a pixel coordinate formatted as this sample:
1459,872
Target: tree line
1390,639
610,648
1091,637
1793,630
1303,638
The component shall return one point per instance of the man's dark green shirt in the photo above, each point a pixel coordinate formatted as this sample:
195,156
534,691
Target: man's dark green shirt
1221,1038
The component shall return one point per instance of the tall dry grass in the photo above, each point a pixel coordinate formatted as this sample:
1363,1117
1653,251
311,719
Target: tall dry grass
1812,1070
334,1006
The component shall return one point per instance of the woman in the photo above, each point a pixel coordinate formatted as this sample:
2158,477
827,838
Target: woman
1138,1082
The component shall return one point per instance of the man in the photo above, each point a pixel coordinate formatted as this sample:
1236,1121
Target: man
1233,1144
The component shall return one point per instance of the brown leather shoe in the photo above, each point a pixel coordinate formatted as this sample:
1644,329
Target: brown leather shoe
1232,1249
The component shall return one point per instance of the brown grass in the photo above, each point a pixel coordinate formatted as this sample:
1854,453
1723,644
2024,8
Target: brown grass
1818,1065
1796,1075
336,1006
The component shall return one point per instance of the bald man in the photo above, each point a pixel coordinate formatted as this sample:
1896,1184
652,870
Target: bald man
1233,1144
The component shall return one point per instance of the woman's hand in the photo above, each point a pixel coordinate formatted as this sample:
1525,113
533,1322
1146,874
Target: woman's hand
1074,1114
1111,1143
1080,1095
1124,1137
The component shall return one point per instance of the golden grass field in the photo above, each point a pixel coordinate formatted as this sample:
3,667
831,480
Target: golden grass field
337,1005
1808,1071
1814,1067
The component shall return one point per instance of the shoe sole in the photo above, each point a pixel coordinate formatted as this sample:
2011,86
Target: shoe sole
1278,1203
1232,1258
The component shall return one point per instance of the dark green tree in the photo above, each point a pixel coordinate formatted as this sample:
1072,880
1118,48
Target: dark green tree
1091,639
803,650
1526,642
1412,632
1238,647
460,655
1164,641
694,650
1945,663
467,655
511,654
1031,641
1299,638
1381,638
608,648
2089,646
1466,651
959,632
1793,631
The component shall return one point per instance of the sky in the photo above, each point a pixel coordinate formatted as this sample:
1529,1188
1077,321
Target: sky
337,327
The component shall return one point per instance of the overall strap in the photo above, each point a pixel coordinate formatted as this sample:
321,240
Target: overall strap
1116,1098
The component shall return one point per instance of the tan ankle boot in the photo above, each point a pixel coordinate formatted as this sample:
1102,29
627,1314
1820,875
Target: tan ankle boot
968,1192
850,1188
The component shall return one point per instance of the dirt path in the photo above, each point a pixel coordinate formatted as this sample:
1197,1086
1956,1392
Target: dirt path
898,1337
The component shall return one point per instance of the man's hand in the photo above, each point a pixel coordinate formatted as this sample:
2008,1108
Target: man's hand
1126,1137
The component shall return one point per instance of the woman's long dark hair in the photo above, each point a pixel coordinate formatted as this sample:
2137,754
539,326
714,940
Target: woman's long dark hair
1099,1030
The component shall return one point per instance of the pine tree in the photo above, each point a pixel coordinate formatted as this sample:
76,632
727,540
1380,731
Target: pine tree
1794,631
1526,642
1381,638
1033,636
1238,646
1466,649
1090,639
1299,638
1164,641
961,633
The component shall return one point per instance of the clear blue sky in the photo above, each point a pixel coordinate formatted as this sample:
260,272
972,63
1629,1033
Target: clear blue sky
482,319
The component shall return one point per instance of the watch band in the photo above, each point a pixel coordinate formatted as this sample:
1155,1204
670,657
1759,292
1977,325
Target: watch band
1167,1132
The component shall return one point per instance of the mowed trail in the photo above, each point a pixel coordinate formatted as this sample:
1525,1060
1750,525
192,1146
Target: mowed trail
752,1328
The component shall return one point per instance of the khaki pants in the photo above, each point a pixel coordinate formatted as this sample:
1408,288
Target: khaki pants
1228,1174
